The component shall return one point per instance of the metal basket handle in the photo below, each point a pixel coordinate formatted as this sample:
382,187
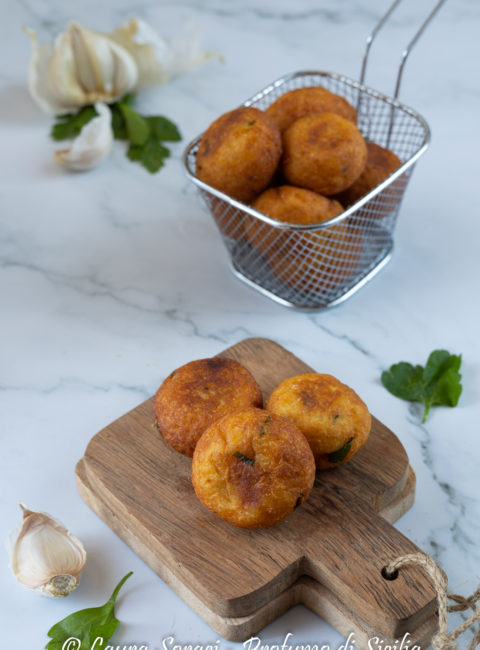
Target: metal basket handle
406,51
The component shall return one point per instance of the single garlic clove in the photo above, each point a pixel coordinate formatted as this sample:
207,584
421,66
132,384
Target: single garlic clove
45,556
159,59
92,145
38,85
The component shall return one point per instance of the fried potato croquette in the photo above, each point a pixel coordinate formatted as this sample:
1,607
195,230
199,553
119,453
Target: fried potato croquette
325,263
304,260
381,163
325,153
252,468
295,104
239,153
197,394
290,205
334,419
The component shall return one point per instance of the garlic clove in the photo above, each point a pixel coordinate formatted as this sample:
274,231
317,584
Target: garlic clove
159,59
38,85
92,145
45,556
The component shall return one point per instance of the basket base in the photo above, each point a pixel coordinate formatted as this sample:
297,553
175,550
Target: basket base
313,302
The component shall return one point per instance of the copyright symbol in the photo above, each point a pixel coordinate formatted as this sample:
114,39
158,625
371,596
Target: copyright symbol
72,643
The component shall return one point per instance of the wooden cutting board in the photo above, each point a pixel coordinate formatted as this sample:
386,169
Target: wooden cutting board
328,554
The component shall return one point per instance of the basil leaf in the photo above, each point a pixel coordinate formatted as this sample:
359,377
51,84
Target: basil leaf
136,126
244,459
163,129
438,384
69,126
340,454
87,625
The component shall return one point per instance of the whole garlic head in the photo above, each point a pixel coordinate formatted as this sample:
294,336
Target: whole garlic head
45,556
82,67
92,145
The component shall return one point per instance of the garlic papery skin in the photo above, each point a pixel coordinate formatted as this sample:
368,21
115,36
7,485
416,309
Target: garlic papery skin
45,556
159,59
92,145
82,67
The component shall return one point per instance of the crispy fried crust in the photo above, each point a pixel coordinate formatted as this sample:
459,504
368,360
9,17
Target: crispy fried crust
295,104
325,153
291,205
329,413
197,394
381,163
252,468
239,152
304,260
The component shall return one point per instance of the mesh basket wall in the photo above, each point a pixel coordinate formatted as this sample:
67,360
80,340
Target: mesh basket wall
318,268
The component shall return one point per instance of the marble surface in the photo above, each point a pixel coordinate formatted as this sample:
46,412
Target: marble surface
110,279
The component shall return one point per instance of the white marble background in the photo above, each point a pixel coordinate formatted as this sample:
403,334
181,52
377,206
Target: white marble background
112,278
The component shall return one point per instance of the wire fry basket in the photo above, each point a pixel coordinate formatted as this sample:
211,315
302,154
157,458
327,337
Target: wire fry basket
320,265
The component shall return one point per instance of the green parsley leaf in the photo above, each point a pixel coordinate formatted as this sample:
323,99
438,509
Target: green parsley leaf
438,384
128,99
298,502
118,123
340,454
87,625
136,126
262,426
69,126
163,129
144,133
244,459
151,154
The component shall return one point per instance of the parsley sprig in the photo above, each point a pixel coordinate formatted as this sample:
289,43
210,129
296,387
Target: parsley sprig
438,384
87,625
145,134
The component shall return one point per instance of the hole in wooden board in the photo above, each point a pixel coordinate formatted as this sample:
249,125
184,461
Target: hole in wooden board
389,575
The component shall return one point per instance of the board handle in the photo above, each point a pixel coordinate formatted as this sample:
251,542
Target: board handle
348,554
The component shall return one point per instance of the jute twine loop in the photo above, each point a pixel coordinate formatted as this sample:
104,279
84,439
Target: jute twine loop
444,640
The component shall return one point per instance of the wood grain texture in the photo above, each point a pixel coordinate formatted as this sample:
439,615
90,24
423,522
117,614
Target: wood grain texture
338,538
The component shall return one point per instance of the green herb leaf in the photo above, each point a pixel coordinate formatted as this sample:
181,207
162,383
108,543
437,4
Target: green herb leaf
87,624
69,126
136,126
145,134
340,454
262,426
243,458
163,129
119,127
151,154
298,502
438,384
128,99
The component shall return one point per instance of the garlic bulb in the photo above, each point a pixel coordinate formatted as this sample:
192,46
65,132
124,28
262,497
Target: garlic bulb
84,66
92,145
45,556
80,68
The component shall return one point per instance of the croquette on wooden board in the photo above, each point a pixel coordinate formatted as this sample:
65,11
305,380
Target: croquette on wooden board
328,553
